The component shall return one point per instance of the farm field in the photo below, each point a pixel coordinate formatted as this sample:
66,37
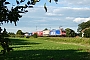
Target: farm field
48,48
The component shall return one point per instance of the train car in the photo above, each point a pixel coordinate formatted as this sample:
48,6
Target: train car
30,34
63,32
40,33
46,32
54,32
57,32
27,35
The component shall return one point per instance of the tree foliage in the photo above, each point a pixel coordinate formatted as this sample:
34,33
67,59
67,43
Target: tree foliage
87,33
5,33
70,32
11,34
19,32
83,25
35,35
12,15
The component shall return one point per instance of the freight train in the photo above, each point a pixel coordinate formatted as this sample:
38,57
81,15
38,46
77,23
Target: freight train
53,32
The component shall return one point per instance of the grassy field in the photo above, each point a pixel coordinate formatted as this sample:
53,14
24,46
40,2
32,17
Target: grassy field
48,48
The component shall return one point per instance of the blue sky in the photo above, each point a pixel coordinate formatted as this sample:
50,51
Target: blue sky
67,13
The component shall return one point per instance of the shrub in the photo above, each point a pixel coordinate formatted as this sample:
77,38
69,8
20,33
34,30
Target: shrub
35,35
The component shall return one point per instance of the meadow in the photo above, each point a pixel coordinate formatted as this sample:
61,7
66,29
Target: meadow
48,48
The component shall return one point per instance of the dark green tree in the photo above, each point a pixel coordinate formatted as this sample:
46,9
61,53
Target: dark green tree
12,15
83,25
83,28
11,34
35,35
87,33
70,32
5,33
19,33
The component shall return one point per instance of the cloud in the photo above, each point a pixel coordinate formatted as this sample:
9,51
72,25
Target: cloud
79,20
50,14
69,18
83,3
53,14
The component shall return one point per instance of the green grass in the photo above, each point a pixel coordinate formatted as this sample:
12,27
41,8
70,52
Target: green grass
45,48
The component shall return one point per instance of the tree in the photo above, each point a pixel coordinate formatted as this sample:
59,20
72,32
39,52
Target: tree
19,33
5,33
35,35
82,27
11,34
13,14
70,32
87,33
9,15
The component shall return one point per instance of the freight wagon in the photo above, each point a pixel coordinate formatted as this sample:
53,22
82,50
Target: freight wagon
54,32
27,35
40,33
46,32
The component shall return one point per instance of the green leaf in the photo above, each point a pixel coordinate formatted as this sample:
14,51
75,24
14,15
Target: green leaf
7,3
50,1
45,7
17,1
56,1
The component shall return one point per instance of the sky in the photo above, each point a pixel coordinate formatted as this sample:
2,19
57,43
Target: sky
64,14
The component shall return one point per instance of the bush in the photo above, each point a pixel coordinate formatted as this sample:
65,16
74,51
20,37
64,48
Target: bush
35,35
27,36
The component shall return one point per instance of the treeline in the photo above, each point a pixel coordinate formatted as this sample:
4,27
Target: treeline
19,33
